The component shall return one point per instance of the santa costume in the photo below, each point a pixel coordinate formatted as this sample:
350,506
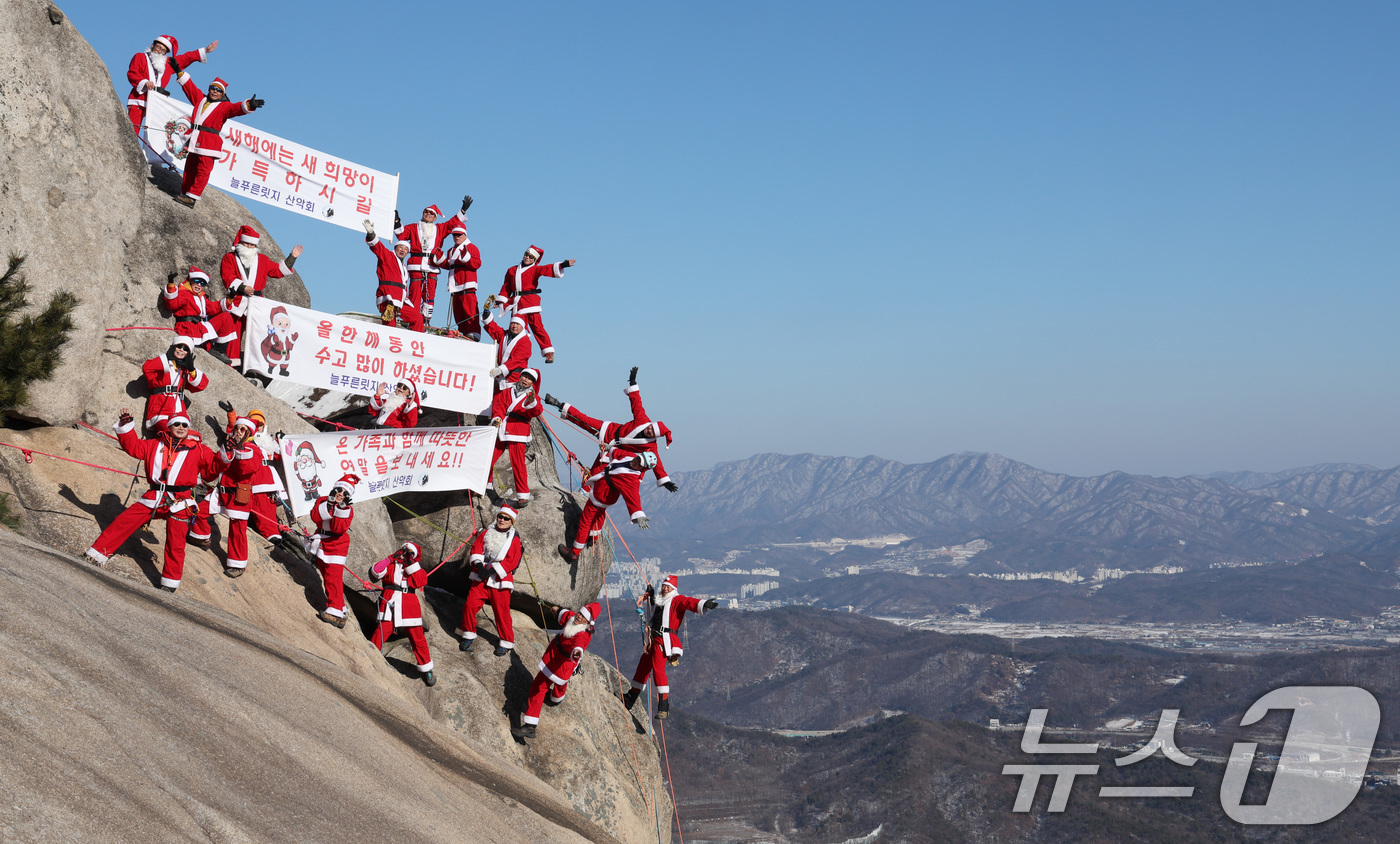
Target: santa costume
620,477
330,545
423,240
277,346
245,272
198,317
151,72
513,350
558,663
241,464
391,410
462,260
512,412
521,290
206,144
174,464
494,556
641,434
167,377
391,295
403,575
664,619
267,484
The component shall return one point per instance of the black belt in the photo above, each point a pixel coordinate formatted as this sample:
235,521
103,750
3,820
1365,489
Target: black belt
397,284
406,589
168,390
207,129
189,319
418,254
534,292
169,488
163,91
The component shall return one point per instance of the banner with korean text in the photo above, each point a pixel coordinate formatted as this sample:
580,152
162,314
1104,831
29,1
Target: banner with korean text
263,167
303,346
387,461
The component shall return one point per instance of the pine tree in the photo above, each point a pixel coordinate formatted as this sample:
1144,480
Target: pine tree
31,348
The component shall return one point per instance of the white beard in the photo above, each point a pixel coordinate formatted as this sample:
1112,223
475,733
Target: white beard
265,441
247,256
574,626
392,402
495,545
283,334
427,236
157,63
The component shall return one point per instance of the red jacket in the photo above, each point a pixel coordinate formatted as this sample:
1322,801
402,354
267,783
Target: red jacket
515,411
239,280
166,382
171,471
419,252
143,78
238,467
522,284
512,352
463,261
564,652
396,605
392,273
498,573
192,311
403,416
666,618
333,529
207,122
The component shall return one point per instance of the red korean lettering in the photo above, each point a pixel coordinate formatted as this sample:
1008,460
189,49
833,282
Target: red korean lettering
350,176
428,459
231,158
381,466
329,197
323,329
363,204
429,377
260,169
364,467
285,156
377,366
232,135
323,355
342,444
412,459
348,333
362,363
417,346
308,163
294,179
398,458
415,372
347,465
367,179
331,169
400,368
371,339
372,441
339,359
446,460
395,344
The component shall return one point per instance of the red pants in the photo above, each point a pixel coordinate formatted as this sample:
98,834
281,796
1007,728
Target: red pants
422,288
197,170
653,661
219,328
499,599
536,326
517,466
334,576
200,528
138,516
264,516
603,495
137,113
535,701
464,312
237,530
408,314
415,637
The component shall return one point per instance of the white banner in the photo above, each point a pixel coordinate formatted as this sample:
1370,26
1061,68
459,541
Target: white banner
263,167
308,347
388,461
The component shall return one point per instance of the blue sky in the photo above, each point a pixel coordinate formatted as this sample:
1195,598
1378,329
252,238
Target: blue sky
1088,236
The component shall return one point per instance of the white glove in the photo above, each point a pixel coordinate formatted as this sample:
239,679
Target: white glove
427,310
369,227
312,544
497,371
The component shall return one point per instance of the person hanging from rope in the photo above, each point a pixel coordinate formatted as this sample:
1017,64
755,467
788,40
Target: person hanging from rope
461,260
240,461
399,609
641,434
398,409
268,491
198,317
245,272
521,292
174,464
391,295
494,556
664,646
424,238
206,143
330,544
512,412
560,660
621,477
168,376
152,71
513,347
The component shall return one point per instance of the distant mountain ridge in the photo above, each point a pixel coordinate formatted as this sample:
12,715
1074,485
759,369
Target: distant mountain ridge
1116,519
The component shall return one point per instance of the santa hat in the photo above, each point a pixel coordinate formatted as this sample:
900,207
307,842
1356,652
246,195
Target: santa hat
169,42
459,229
404,243
197,273
276,312
508,511
347,483
519,319
672,581
182,340
414,552
665,431
532,372
590,612
246,423
246,234
220,82
437,212
179,417
539,253
306,446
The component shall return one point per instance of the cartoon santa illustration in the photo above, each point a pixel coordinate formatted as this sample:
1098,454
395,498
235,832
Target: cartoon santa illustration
277,345
306,461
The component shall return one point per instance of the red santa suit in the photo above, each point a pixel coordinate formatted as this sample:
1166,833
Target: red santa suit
462,261
633,436
402,575
521,290
266,482
393,284
560,660
198,317
148,73
665,620
512,352
494,556
243,280
514,411
423,239
391,411
240,468
621,476
167,383
330,544
173,468
206,143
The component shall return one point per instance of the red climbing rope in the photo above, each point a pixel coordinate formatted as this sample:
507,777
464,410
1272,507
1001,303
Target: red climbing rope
327,421
142,328
29,458
97,430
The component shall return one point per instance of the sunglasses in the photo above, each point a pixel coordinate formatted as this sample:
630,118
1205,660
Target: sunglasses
177,425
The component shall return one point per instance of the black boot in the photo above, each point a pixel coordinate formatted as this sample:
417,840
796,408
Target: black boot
429,679
523,731
630,698
553,402
662,707
568,553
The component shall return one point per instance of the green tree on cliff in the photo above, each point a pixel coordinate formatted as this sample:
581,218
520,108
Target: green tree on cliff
30,346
